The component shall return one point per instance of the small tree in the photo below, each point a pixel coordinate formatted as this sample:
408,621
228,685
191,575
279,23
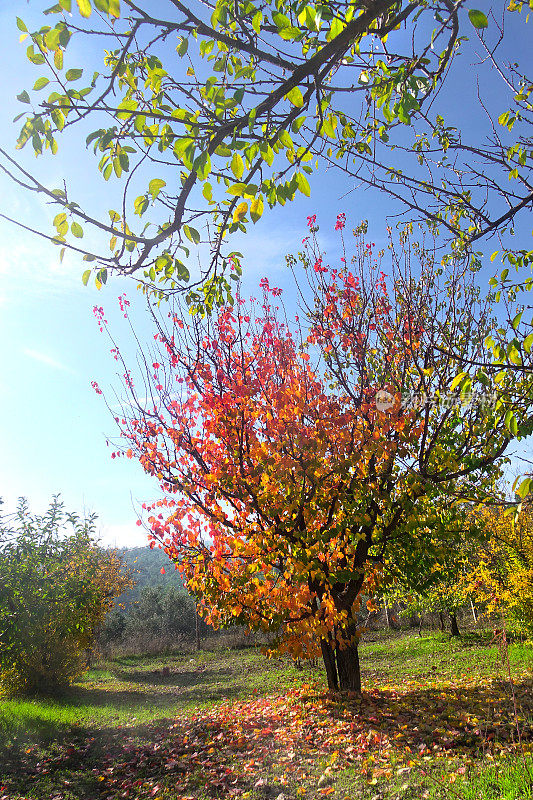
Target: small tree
294,461
56,585
434,576
502,575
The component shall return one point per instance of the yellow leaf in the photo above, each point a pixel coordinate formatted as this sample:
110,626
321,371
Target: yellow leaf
240,212
84,7
256,208
295,97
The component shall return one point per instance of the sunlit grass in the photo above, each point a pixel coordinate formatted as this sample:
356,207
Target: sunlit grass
125,699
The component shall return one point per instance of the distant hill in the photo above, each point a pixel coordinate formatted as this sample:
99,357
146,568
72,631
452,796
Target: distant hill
146,565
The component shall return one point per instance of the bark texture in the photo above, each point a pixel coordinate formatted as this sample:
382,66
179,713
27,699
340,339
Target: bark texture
348,669
328,656
455,626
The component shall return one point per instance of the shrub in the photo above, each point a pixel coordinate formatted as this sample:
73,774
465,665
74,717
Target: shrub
56,586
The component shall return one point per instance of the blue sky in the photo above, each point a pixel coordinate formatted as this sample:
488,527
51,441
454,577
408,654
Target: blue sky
53,426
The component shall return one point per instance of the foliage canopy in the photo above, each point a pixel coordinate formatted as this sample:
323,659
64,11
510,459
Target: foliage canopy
207,113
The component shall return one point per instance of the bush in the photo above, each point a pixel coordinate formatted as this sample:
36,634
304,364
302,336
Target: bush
56,586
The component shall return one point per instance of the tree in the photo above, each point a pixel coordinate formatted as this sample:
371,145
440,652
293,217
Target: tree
437,580
295,459
502,575
261,90
55,590
167,612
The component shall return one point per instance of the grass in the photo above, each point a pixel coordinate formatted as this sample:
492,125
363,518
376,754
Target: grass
435,721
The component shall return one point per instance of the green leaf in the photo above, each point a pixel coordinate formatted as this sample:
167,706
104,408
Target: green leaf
337,26
51,39
85,277
237,189
297,124
295,97
181,145
516,321
155,186
183,272
24,97
237,165
289,33
84,7
303,184
329,127
478,18
528,342
202,165
21,25
524,488
511,423
281,21
267,154
40,83
191,234
256,21
77,230
73,74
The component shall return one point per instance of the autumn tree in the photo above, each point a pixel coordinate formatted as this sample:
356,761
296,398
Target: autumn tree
294,459
56,586
207,113
501,576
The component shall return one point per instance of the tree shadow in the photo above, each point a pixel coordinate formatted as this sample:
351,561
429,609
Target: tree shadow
449,718
139,699
173,678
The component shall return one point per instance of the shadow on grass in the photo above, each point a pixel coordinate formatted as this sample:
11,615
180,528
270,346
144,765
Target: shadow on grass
454,718
441,720
175,678
136,700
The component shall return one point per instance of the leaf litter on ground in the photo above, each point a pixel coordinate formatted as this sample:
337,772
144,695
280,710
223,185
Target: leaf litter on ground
296,743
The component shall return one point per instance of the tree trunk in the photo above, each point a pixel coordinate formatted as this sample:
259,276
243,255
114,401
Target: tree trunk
387,620
474,615
441,621
329,662
455,627
348,667
197,629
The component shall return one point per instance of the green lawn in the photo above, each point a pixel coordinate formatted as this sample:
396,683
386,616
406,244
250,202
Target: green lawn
436,720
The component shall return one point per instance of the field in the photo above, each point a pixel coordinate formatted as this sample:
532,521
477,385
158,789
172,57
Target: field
437,719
